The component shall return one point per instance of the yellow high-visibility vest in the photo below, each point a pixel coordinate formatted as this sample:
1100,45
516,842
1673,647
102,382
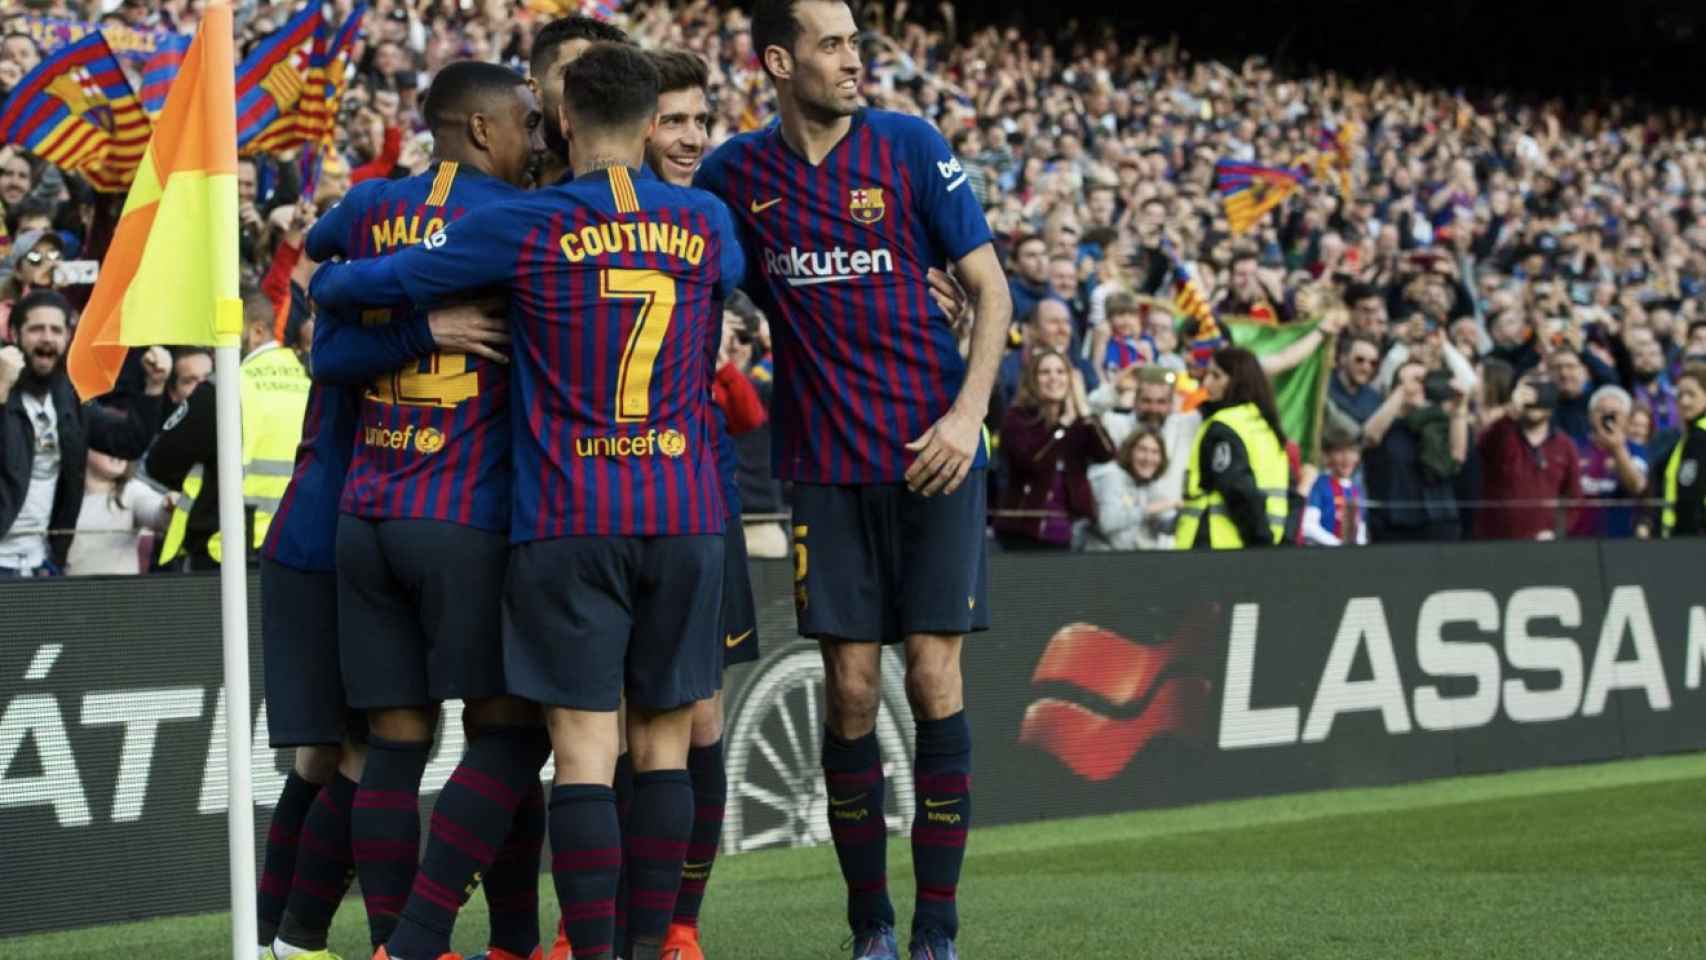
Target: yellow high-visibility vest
1673,467
274,391
1267,462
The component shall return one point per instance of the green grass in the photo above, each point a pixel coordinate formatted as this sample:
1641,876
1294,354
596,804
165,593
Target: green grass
1596,862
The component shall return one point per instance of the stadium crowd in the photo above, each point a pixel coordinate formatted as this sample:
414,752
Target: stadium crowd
1507,294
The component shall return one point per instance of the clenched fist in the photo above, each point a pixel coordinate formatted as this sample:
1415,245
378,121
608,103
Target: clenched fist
11,366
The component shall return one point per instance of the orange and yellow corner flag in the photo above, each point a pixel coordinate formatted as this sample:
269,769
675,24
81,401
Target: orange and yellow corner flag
170,275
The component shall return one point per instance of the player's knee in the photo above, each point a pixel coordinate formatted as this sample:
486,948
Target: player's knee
658,739
352,760
404,725
853,700
317,763
708,721
495,712
933,688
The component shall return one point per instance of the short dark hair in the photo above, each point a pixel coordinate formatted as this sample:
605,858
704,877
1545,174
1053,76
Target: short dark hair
1028,238
773,25
679,70
560,31
41,297
612,84
464,87
1696,325
1351,338
1358,292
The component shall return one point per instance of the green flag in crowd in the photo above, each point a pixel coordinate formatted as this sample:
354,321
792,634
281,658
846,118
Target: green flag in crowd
1298,392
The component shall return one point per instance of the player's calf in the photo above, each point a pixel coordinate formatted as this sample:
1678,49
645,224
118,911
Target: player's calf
324,866
385,824
942,783
586,839
660,824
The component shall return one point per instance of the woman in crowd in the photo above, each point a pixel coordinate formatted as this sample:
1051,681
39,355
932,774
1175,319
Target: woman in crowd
116,511
1677,478
1049,441
1237,483
1134,511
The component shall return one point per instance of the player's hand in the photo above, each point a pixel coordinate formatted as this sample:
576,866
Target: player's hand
949,295
156,366
470,328
945,452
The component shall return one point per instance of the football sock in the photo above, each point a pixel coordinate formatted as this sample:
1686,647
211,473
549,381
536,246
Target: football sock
853,772
623,784
279,865
656,844
385,829
324,868
710,794
512,883
942,815
586,849
469,823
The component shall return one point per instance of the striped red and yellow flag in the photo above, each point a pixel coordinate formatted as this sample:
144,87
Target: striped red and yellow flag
1249,191
170,275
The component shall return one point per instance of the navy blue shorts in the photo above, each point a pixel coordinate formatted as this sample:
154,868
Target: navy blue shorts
740,616
420,608
299,659
587,618
874,563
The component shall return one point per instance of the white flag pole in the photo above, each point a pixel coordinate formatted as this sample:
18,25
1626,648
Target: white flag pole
234,627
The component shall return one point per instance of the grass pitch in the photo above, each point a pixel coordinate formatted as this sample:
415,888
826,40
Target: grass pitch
1599,862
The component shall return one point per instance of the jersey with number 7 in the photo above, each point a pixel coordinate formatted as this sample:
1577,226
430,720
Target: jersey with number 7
615,283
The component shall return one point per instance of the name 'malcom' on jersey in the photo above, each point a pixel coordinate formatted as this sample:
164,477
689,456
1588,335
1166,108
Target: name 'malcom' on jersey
616,282
433,438
865,360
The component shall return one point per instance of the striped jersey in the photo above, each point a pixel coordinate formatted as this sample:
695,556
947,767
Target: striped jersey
865,360
615,285
346,357
433,438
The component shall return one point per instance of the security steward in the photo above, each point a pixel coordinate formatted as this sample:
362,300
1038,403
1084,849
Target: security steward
274,392
1681,481
1237,478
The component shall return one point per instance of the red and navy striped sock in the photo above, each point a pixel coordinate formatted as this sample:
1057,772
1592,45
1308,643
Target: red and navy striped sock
324,868
280,863
942,816
710,794
279,866
512,883
385,829
853,772
469,823
656,845
623,784
586,850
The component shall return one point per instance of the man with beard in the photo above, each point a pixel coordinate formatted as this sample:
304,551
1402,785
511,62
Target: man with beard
45,435
1652,386
557,45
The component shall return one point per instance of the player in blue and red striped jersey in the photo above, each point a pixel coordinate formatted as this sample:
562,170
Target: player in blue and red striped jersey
615,582
878,423
421,550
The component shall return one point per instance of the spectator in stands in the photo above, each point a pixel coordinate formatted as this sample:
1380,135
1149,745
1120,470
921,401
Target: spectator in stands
1351,393
1133,510
1249,295
117,509
1334,514
1641,425
31,264
1121,342
47,434
1368,313
1027,275
1238,482
17,176
1063,285
1651,384
1569,374
1049,440
1679,481
1530,465
1049,327
1414,447
1613,466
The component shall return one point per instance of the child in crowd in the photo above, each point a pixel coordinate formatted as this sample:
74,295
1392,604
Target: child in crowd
1335,514
117,509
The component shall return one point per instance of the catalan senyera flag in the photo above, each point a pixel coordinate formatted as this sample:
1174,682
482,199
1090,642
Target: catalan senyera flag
330,68
1189,298
276,86
170,275
77,111
1333,156
1249,191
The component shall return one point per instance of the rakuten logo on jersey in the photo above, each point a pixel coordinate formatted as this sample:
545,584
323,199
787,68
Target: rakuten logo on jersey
800,268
